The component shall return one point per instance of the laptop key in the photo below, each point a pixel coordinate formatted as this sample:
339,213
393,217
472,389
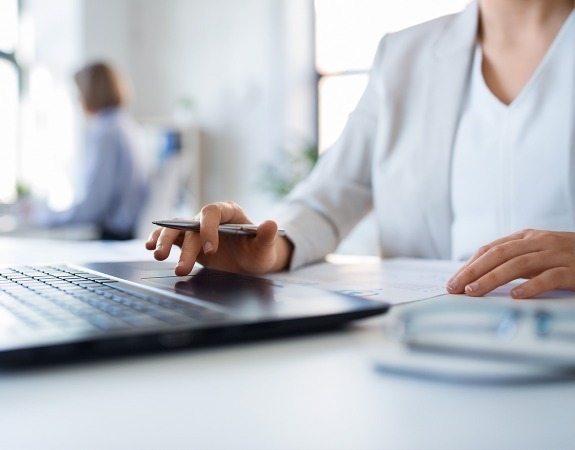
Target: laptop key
65,298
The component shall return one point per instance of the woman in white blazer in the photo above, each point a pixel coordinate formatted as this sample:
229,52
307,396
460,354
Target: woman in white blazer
449,146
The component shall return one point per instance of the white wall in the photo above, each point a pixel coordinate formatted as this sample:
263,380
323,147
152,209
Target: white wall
246,64
107,34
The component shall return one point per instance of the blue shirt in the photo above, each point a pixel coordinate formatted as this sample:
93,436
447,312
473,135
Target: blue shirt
114,183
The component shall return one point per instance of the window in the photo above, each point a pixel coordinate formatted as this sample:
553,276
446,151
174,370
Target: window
347,33
9,92
38,125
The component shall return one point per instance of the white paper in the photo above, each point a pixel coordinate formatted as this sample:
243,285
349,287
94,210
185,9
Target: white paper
392,280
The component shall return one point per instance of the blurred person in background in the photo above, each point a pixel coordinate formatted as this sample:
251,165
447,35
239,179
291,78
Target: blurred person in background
114,184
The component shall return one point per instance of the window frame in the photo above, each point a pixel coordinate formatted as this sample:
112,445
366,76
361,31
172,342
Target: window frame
440,8
320,76
12,59
11,56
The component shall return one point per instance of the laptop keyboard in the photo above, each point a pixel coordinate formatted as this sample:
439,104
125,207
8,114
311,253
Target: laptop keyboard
48,297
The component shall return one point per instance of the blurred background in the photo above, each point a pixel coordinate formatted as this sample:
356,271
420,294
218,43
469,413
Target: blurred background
236,98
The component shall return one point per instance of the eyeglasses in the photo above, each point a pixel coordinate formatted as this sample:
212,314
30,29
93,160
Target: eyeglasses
540,338
502,321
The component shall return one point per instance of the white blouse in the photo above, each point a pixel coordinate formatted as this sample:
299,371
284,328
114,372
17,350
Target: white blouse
512,164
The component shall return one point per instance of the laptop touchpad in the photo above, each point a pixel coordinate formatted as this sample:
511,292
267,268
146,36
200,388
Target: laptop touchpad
223,288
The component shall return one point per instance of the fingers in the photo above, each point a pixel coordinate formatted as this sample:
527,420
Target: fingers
266,235
486,248
556,278
153,239
261,254
162,240
536,262
546,258
205,243
191,247
211,216
246,254
487,259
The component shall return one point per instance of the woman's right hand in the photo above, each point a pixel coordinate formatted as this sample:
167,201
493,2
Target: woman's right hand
264,252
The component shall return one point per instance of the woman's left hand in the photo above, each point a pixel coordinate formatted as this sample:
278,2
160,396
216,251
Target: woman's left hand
545,258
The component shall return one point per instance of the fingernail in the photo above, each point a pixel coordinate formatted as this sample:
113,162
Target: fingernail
472,287
453,284
208,247
517,292
180,263
159,247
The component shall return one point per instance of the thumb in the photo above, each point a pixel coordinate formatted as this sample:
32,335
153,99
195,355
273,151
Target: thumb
266,236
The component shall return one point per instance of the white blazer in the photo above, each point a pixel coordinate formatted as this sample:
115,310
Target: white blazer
394,155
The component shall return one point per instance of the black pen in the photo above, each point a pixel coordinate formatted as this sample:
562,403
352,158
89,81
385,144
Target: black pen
228,228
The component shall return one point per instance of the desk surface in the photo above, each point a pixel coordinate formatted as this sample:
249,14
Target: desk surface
319,391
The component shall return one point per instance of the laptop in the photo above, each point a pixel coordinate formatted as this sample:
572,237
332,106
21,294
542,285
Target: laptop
68,311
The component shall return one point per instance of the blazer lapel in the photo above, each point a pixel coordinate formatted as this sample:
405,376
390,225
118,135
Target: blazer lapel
449,72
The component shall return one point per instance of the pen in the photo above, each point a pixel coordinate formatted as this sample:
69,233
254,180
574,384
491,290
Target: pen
227,228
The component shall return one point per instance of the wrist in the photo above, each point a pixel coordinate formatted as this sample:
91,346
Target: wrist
284,250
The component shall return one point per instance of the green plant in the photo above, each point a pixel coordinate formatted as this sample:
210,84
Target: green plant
290,167
22,189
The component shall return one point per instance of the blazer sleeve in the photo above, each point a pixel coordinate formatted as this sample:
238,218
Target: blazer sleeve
324,208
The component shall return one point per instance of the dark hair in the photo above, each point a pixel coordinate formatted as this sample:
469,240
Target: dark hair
100,87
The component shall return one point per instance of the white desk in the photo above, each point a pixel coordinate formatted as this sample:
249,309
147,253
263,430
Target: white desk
309,392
